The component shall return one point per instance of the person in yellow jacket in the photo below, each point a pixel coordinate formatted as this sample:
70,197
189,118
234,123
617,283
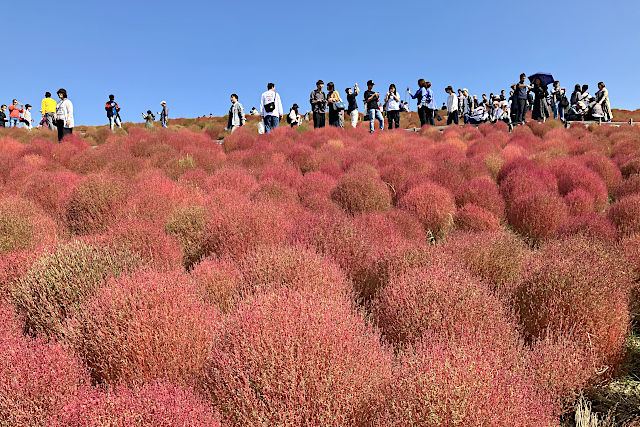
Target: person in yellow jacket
48,109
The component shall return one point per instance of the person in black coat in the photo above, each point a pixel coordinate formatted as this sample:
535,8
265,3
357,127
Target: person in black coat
540,104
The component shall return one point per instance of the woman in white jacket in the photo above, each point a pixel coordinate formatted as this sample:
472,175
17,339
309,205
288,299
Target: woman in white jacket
64,115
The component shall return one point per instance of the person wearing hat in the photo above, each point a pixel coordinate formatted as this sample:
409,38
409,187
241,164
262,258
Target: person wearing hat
452,106
318,101
371,102
164,114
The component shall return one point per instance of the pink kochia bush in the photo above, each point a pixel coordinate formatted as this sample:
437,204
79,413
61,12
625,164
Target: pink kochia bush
361,190
37,378
152,405
433,205
296,358
150,326
625,214
23,226
220,280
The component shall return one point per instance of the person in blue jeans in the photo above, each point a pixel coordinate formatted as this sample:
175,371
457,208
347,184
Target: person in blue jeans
270,108
371,102
556,96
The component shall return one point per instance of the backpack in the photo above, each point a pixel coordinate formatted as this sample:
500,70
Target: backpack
289,118
564,101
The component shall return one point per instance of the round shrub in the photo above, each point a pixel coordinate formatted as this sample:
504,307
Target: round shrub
629,186
482,192
579,202
157,404
37,378
523,181
495,257
23,226
268,268
362,190
594,226
625,214
474,218
296,358
94,204
537,216
604,167
440,299
443,383
571,176
49,190
145,327
58,283
220,279
577,286
433,205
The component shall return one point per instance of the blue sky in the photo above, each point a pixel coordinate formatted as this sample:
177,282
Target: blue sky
195,53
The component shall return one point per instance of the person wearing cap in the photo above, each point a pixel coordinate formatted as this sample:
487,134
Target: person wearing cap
164,114
452,106
421,96
14,113
48,110
318,101
371,102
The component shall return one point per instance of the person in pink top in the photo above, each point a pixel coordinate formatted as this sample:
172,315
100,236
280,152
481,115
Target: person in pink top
14,114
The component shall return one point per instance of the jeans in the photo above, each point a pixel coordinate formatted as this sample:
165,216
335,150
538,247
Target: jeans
354,118
522,110
62,131
14,122
163,122
270,122
558,111
318,119
422,114
114,121
393,116
452,117
373,115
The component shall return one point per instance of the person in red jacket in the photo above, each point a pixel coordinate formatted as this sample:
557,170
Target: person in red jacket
14,114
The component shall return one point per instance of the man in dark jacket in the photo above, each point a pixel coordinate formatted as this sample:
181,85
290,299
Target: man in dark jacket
113,113
3,116
318,101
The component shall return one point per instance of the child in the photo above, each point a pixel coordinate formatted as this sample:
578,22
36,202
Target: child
26,117
149,119
3,116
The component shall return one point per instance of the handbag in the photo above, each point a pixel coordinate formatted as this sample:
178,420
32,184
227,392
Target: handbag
340,106
271,106
564,101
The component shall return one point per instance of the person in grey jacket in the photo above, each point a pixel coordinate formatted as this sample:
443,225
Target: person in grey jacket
236,114
318,101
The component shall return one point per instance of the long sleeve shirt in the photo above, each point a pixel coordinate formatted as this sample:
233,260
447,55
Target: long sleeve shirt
164,114
421,95
430,101
48,105
268,97
318,101
236,115
64,112
452,103
14,112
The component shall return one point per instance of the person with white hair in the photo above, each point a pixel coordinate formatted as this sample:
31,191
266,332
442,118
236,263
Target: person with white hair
164,114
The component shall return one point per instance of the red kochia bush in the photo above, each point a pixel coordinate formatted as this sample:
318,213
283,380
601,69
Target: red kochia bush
150,326
23,226
571,175
537,216
474,218
629,186
579,202
604,167
297,358
441,383
625,214
482,192
94,204
433,205
578,286
593,225
443,300
36,378
152,405
220,279
362,190
49,190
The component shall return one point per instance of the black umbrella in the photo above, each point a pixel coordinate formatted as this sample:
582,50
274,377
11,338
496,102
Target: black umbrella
545,78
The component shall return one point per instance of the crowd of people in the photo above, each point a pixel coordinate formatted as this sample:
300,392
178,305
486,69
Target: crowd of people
460,106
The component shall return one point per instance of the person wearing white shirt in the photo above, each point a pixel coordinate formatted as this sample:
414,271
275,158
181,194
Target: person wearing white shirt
270,108
26,117
64,115
452,106
392,103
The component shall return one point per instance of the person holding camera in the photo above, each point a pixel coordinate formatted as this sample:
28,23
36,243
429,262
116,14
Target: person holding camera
14,114
371,101
318,101
421,96
352,109
392,103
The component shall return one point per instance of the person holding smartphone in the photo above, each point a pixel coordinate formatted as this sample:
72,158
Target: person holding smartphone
371,101
392,102
352,108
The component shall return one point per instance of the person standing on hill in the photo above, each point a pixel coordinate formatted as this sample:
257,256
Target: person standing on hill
336,106
371,101
113,113
452,106
270,108
352,109
521,90
48,109
164,114
318,101
149,118
3,116
14,114
421,96
431,105
26,117
236,114
392,104
64,115
602,99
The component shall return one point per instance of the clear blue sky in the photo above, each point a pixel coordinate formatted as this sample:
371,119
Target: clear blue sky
195,53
